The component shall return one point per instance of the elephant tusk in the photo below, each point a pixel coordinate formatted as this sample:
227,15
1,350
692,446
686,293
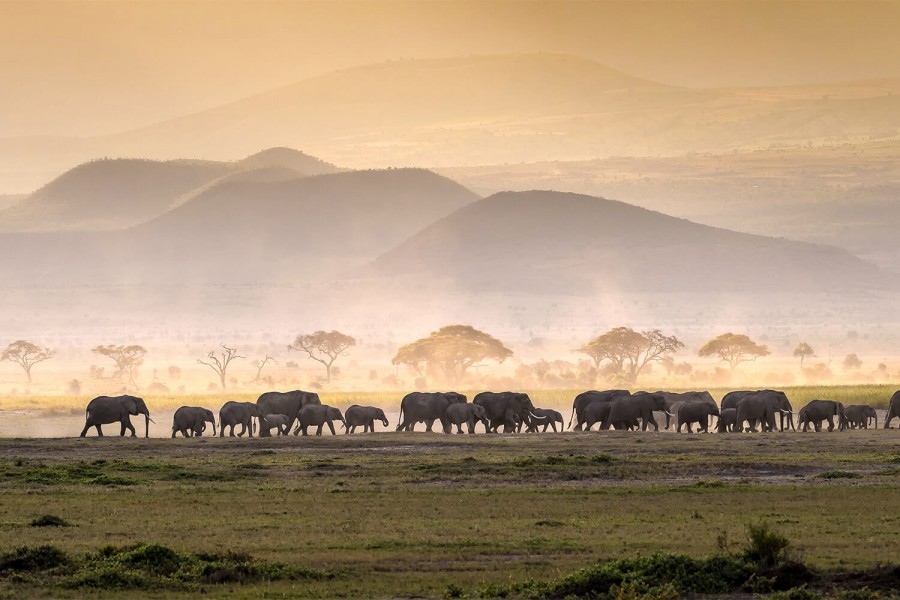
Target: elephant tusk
534,416
151,420
668,413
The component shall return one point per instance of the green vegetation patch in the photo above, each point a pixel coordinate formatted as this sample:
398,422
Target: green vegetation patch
839,475
49,521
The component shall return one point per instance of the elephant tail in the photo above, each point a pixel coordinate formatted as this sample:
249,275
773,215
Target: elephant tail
572,418
400,418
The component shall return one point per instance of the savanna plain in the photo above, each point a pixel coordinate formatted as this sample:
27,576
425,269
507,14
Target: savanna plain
574,514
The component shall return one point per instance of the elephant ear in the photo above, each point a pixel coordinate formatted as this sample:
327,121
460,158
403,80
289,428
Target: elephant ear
130,404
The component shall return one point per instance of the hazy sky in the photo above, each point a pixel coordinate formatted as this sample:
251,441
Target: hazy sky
81,68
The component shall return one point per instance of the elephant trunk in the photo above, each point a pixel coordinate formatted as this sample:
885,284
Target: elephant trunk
214,426
147,424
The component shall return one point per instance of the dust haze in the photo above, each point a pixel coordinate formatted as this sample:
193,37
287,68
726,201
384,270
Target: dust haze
554,172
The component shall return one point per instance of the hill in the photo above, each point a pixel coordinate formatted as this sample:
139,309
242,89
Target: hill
546,242
250,231
112,194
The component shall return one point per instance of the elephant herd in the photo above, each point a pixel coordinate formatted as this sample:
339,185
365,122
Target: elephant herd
505,412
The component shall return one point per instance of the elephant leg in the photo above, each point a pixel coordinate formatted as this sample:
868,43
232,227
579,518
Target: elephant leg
331,427
319,430
830,424
84,431
650,419
689,428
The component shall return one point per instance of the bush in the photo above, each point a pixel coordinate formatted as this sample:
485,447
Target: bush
49,521
766,547
28,559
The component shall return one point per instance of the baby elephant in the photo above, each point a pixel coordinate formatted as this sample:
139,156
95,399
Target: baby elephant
279,422
318,415
727,420
363,416
858,415
191,421
546,417
467,413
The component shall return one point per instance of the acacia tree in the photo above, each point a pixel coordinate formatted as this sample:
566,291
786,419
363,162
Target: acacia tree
259,364
733,348
127,358
324,347
26,355
852,361
453,350
803,351
629,351
219,364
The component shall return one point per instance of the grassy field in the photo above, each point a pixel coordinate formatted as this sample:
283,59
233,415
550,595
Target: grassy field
428,515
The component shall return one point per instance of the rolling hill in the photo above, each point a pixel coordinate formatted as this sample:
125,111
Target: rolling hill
245,232
112,194
545,242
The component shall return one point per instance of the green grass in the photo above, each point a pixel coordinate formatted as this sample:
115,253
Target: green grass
414,514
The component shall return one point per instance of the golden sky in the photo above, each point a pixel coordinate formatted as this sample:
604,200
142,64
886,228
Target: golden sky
83,68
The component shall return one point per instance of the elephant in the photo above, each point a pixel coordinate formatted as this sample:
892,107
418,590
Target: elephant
109,409
762,406
695,411
239,413
318,414
426,407
625,408
582,401
822,410
279,422
893,410
191,421
676,399
727,420
470,414
363,416
858,415
599,411
784,408
496,405
286,403
549,418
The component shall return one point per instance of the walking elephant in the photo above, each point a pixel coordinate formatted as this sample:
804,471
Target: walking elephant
822,410
783,409
695,411
273,421
675,399
584,399
109,409
893,410
286,403
497,404
858,415
363,416
470,414
191,421
762,406
239,413
727,420
426,407
548,418
318,415
626,408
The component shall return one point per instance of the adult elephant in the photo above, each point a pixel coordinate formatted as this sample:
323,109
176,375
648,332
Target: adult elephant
363,416
318,415
822,410
191,421
109,409
858,415
426,407
762,406
675,399
239,413
626,408
286,403
470,414
695,411
499,405
893,410
547,417
784,409
584,399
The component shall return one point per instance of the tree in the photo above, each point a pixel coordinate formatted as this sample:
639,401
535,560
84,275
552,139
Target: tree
803,351
852,361
219,364
259,364
127,358
26,355
324,347
629,351
453,350
733,348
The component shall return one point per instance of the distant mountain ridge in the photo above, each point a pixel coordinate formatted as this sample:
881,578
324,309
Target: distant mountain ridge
109,194
577,244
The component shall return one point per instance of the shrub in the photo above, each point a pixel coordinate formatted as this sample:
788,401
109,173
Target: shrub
766,547
49,521
28,559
